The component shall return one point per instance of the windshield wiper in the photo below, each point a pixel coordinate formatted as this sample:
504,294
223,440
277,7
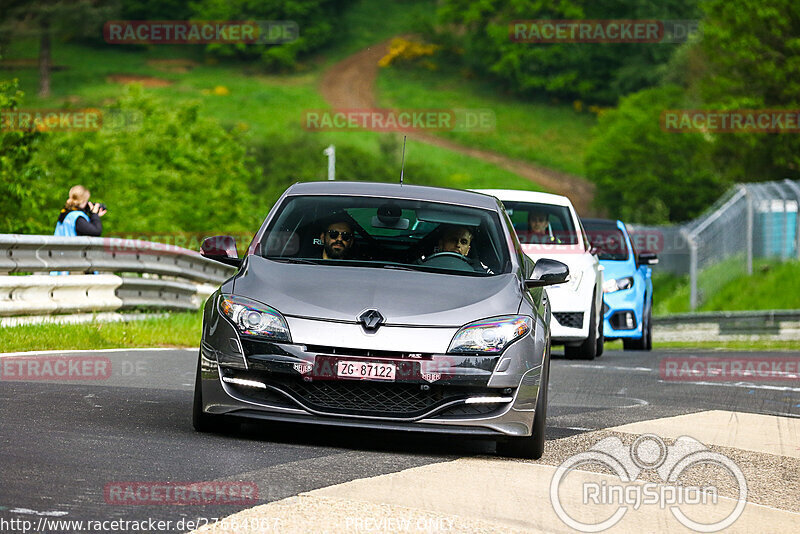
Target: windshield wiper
398,267
293,260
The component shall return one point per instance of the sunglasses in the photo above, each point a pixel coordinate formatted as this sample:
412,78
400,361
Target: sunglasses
346,236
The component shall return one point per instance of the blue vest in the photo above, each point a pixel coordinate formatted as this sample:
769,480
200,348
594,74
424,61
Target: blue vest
66,228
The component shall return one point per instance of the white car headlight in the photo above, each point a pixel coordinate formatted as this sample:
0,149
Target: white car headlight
252,318
615,284
573,282
490,335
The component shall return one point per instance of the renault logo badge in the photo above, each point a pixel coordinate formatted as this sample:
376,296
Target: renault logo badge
371,320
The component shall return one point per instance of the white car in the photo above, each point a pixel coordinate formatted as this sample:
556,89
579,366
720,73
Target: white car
548,227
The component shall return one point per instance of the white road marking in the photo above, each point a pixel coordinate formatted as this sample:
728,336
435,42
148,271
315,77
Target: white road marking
611,367
746,385
54,513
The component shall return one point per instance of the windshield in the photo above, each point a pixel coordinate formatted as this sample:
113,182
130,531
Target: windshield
387,233
608,240
542,223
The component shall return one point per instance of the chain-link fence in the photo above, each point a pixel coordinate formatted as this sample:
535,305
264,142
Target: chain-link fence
751,222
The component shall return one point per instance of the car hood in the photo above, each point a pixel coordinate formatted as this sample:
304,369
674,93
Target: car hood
617,269
342,293
572,255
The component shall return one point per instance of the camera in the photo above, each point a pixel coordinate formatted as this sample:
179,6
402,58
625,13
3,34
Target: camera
100,206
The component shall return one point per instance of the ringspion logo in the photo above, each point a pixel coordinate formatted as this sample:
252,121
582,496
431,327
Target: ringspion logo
691,505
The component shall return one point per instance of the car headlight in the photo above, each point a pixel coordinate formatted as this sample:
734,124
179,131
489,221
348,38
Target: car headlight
615,284
490,335
573,282
254,319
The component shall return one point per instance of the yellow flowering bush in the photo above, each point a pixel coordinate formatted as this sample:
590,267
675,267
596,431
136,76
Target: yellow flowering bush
407,50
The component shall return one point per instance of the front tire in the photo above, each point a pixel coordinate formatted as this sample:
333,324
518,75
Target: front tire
601,339
531,447
202,421
646,341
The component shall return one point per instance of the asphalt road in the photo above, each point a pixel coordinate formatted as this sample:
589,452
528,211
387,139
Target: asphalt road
62,443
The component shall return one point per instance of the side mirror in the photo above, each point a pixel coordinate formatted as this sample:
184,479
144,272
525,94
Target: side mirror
221,248
647,258
547,272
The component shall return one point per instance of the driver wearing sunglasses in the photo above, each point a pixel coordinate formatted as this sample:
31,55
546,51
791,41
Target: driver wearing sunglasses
337,240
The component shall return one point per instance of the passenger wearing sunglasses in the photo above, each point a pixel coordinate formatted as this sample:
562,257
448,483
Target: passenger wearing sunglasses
337,240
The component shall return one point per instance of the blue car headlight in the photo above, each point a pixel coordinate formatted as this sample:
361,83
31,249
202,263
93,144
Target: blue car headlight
490,336
616,284
252,318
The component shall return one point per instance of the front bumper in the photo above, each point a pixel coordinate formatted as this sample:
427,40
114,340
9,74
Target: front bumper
617,304
570,313
477,395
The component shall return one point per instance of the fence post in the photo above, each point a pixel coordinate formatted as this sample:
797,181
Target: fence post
749,198
692,268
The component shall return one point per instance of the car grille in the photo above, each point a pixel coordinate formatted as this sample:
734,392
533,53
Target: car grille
357,397
466,411
569,319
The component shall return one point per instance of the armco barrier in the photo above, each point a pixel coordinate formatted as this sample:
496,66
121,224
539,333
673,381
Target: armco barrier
733,325
183,277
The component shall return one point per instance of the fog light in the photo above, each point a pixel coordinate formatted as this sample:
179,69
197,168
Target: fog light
629,320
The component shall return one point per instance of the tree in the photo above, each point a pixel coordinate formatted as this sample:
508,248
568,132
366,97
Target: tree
752,53
21,190
594,72
316,20
645,174
48,19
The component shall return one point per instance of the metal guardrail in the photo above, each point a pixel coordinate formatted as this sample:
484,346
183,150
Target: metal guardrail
173,278
733,325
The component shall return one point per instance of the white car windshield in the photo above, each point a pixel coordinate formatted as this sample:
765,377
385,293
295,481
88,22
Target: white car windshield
537,223
387,233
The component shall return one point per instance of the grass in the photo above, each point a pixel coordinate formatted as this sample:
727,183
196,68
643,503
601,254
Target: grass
772,286
176,330
551,135
757,345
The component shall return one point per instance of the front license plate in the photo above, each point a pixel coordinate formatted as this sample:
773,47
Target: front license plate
374,371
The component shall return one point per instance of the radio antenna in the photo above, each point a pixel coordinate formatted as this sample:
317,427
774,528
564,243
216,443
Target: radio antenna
403,160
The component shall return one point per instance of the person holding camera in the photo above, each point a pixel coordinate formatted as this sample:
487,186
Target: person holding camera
79,216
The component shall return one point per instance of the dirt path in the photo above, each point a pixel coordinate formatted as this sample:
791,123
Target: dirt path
350,84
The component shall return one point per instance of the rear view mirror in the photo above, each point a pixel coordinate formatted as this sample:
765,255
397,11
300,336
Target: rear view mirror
547,272
647,258
221,248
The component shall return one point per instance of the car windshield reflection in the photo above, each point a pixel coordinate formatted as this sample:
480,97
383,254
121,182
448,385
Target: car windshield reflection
386,233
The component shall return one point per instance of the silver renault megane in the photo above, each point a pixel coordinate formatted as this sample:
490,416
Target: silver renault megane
381,306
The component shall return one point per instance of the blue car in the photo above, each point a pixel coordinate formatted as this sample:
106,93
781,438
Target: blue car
627,286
